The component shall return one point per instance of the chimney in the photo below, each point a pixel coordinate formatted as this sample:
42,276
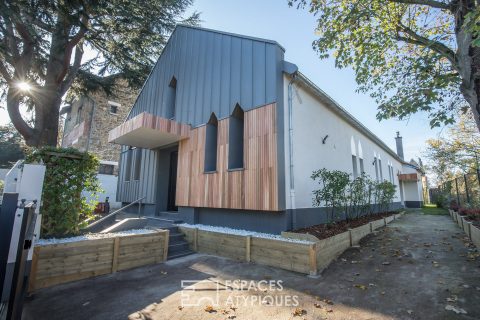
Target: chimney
399,142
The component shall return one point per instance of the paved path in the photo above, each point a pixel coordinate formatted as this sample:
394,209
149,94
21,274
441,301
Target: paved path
411,269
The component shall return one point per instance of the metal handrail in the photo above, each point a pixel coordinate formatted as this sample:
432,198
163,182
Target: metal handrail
139,201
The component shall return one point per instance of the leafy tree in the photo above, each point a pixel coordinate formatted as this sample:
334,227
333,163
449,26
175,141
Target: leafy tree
412,55
386,193
11,146
458,151
332,192
42,45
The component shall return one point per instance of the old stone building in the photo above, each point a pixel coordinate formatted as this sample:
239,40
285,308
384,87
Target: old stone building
89,119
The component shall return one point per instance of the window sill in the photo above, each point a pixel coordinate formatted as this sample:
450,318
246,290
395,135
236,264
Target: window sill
236,169
210,172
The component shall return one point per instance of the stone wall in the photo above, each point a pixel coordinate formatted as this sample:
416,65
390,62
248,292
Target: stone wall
90,119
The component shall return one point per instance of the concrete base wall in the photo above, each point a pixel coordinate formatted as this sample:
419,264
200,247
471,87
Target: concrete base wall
305,217
413,204
261,221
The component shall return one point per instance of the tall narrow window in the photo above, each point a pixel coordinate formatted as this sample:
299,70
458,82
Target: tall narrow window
138,164
380,169
362,167
170,99
353,149
235,139
375,162
354,164
128,165
360,158
211,144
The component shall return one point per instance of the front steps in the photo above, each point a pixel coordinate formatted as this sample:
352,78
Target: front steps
177,245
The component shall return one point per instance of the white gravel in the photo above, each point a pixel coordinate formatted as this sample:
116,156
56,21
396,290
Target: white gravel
92,236
242,232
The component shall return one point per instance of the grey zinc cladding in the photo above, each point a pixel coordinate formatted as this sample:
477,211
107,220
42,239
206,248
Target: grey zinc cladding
214,71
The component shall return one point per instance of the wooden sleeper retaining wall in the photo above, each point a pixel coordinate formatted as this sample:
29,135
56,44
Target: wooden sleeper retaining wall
308,258
65,262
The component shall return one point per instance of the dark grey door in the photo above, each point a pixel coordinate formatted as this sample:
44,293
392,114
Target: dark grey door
172,182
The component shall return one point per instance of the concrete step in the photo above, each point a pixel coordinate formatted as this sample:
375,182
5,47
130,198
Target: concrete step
177,247
176,238
180,254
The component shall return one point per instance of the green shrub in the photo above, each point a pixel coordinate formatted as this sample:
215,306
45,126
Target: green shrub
332,192
68,173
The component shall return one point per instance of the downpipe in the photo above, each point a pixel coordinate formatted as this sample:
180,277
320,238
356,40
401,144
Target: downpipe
290,152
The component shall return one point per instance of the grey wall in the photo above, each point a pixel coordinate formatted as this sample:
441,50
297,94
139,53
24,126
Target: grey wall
214,71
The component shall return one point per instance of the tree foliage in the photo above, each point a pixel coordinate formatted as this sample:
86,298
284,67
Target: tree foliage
42,43
68,172
457,151
11,146
411,55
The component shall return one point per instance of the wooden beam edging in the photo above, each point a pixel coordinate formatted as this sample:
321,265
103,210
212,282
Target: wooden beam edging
312,252
116,250
165,248
248,247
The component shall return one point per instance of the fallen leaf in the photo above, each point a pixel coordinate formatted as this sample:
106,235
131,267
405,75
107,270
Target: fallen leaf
210,309
180,308
360,286
457,310
317,305
299,312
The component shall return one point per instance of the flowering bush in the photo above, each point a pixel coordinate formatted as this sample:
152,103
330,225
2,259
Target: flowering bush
471,213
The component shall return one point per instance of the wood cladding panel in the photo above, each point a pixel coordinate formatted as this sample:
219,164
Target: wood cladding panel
150,121
253,188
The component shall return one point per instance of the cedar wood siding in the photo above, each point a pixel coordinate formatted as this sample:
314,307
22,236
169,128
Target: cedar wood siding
214,71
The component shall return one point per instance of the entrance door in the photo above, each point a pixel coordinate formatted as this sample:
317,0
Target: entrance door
172,182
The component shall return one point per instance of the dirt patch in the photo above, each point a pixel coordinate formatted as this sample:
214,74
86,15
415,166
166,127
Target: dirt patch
323,231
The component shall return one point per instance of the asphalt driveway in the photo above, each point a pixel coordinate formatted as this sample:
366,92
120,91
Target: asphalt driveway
418,267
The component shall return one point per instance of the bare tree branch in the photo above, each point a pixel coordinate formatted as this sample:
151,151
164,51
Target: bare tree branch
73,70
430,3
438,47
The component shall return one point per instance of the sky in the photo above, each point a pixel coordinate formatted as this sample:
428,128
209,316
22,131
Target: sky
294,30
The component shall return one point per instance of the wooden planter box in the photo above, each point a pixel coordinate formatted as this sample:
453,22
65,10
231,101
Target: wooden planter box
389,219
378,224
358,233
475,235
65,262
308,258
329,249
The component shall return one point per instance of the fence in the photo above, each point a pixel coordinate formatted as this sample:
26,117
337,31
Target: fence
464,190
64,262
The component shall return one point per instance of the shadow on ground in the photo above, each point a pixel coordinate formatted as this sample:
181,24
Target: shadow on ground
412,269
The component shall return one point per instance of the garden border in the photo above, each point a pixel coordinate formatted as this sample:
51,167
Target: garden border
470,230
303,257
59,263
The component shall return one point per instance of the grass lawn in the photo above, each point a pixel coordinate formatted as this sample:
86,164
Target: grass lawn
433,210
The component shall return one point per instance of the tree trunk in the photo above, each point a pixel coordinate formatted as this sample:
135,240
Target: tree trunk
467,59
50,117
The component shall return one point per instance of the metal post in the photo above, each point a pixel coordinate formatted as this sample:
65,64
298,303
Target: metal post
139,208
458,196
466,187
